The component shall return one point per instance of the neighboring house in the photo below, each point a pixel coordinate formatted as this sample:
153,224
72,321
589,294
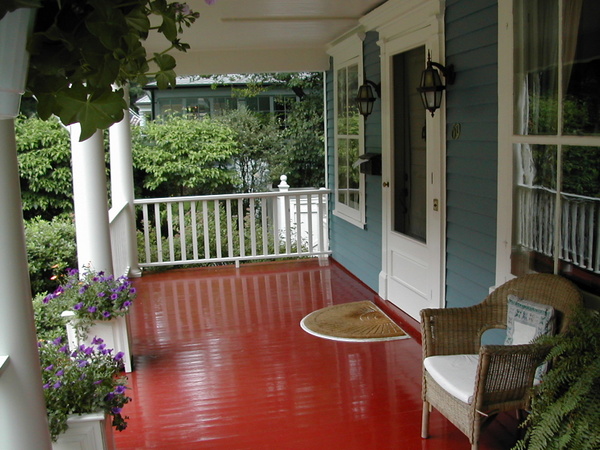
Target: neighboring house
213,96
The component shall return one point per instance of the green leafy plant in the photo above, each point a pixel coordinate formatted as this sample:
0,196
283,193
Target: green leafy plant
51,249
93,296
81,381
80,49
44,154
179,155
565,410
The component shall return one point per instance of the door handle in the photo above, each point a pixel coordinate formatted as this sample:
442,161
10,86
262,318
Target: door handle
386,184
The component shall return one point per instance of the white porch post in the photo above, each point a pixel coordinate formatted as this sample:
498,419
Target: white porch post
23,422
121,181
90,202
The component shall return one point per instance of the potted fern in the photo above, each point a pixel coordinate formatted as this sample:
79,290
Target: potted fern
565,412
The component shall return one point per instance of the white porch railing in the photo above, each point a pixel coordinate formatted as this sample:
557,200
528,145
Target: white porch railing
234,227
579,229
119,223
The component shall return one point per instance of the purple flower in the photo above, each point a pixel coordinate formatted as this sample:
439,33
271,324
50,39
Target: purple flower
64,349
57,341
132,291
60,373
82,289
92,309
126,304
89,350
50,367
101,294
101,347
72,272
110,396
114,297
97,340
57,385
120,389
106,314
78,306
47,299
82,363
119,356
116,410
46,386
98,382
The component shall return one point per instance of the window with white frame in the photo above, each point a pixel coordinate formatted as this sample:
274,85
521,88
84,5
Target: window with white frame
348,132
554,138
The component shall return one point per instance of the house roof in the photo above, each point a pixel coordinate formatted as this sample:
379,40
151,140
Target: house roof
250,36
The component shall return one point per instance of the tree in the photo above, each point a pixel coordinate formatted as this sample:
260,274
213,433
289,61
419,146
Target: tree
44,155
257,138
301,154
183,156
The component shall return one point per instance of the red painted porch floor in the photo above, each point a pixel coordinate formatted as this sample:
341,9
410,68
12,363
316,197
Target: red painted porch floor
222,363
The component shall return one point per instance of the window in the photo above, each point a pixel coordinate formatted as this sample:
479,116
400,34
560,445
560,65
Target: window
555,139
348,132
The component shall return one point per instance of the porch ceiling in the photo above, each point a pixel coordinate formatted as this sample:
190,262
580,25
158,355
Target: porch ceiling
246,36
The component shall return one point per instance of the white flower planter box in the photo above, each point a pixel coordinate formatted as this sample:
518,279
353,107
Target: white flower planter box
91,431
114,332
14,31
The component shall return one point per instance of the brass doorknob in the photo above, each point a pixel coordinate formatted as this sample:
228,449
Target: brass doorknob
386,184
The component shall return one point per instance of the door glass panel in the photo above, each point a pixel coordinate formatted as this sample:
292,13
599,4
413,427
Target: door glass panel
410,151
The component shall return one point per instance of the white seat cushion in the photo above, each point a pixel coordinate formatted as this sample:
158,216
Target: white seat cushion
454,373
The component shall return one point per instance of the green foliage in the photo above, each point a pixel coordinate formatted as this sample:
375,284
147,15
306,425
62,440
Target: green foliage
51,249
257,138
44,154
303,155
565,412
183,156
79,50
81,381
49,324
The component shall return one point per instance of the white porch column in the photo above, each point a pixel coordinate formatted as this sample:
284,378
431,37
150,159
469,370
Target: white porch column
23,422
90,202
121,181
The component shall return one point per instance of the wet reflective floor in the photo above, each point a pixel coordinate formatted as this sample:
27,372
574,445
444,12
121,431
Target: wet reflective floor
220,362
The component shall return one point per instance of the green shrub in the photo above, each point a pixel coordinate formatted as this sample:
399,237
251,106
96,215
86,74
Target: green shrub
48,322
51,249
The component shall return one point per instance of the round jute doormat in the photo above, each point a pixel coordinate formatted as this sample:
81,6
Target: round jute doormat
354,322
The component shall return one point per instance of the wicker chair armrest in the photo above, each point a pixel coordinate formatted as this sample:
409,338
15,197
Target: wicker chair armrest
454,331
506,375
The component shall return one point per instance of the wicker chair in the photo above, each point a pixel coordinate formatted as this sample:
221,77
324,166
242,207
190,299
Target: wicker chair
505,373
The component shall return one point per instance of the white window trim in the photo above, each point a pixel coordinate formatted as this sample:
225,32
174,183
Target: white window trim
507,139
345,53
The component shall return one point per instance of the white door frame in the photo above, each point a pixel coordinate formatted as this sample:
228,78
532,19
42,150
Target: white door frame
414,24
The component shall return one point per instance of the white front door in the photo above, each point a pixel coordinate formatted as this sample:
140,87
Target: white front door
413,221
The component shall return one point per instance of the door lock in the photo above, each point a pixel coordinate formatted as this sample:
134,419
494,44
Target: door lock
436,204
386,184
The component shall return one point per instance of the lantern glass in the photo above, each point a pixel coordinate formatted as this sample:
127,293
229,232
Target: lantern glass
365,99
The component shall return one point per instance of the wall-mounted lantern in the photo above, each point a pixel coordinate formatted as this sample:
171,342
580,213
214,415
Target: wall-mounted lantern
431,87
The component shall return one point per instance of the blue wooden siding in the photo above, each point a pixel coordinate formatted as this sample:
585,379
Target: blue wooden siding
359,250
471,45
